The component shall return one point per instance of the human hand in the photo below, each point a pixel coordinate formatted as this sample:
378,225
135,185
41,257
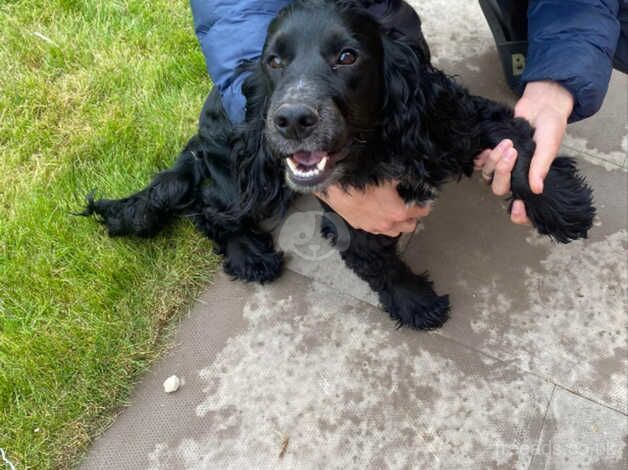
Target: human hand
547,106
496,166
378,209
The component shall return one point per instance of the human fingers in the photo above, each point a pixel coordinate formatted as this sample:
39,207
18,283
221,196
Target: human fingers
392,232
394,229
389,234
550,129
481,159
495,155
407,226
518,213
503,173
417,211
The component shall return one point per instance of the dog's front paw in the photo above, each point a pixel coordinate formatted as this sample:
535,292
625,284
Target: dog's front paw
414,303
260,269
565,210
252,258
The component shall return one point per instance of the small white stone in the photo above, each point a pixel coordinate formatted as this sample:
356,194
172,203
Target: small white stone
172,384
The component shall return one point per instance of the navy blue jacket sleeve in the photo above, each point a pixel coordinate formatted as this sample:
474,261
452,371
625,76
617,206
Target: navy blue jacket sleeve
230,31
573,42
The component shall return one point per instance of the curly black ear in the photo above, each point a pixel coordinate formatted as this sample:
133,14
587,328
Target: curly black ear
400,21
260,176
404,98
257,90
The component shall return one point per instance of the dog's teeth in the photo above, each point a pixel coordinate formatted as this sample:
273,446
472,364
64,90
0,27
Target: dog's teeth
307,174
292,165
322,164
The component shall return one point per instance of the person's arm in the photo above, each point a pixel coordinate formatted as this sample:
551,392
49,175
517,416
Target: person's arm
230,31
572,43
570,56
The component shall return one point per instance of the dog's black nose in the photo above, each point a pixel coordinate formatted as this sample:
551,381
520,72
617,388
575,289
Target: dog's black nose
295,121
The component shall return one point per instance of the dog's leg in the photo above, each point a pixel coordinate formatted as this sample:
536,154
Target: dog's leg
248,251
145,213
408,297
251,257
564,210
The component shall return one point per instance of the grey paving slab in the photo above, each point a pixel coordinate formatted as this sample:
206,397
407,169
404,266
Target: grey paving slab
455,30
307,253
605,135
579,434
556,310
297,375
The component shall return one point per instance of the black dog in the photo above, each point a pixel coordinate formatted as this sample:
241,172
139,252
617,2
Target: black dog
340,97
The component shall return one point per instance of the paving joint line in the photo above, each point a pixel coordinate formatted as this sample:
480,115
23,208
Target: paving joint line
586,153
538,442
474,349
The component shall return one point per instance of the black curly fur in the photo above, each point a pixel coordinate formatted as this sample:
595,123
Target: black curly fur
424,131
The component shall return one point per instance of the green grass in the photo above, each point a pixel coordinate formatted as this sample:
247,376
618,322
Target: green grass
93,94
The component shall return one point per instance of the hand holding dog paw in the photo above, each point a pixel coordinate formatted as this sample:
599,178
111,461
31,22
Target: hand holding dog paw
547,106
378,209
496,166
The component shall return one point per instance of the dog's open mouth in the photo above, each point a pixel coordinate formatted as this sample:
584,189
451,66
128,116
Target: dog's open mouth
310,168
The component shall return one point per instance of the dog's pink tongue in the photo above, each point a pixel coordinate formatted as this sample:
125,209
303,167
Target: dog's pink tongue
308,158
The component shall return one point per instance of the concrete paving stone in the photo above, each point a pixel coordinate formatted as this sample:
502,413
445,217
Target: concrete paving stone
578,434
455,30
556,310
297,375
307,253
605,135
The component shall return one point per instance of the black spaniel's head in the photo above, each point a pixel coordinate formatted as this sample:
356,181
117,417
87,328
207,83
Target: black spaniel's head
330,79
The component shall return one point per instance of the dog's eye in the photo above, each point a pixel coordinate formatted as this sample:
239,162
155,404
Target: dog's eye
347,57
274,62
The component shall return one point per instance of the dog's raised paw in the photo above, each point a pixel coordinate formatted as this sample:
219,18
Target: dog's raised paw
565,210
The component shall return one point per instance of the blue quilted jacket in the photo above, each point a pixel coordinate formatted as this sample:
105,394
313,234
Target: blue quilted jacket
573,42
